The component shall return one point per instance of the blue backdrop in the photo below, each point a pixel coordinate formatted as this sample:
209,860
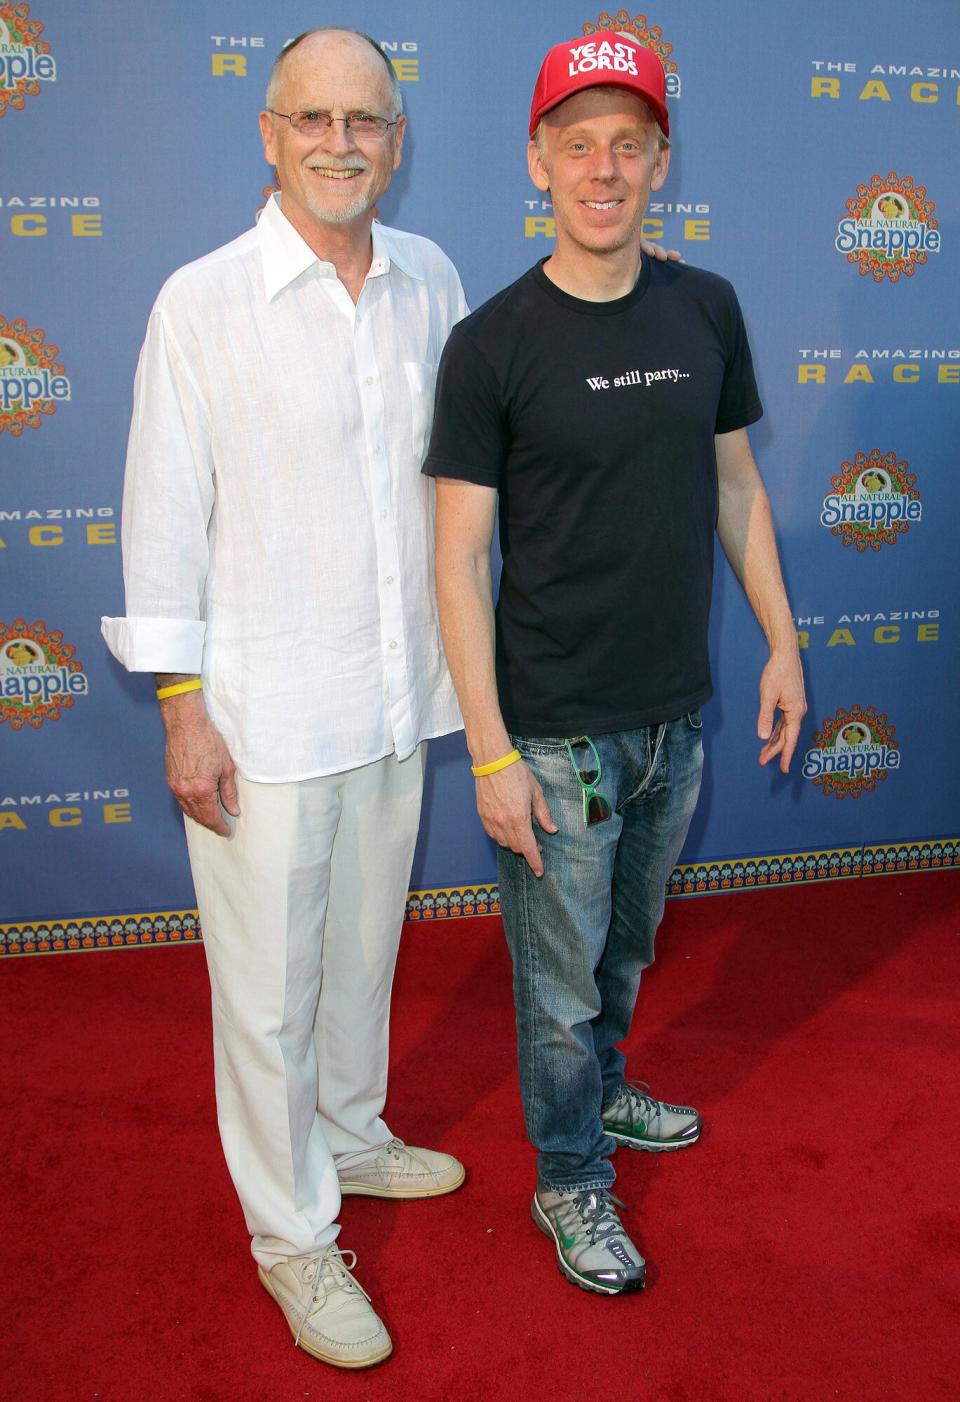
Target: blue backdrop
814,163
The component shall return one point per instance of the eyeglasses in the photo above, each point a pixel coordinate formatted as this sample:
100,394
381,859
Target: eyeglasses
312,122
586,766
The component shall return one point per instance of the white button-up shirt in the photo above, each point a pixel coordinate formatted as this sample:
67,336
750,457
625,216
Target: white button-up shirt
277,531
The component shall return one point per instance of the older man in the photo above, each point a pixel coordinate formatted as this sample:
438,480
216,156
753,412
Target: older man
605,399
278,566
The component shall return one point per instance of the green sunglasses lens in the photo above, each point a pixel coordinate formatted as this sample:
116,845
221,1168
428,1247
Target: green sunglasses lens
585,761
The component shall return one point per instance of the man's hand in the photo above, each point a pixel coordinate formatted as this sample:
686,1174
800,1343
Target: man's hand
199,766
781,687
661,254
505,801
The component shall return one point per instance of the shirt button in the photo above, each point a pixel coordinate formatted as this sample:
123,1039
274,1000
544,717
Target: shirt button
393,643
389,579
376,451
369,380
383,515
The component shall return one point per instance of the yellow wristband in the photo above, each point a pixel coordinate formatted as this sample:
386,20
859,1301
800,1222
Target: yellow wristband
478,770
178,688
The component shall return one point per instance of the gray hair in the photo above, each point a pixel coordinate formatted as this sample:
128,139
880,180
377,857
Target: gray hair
276,71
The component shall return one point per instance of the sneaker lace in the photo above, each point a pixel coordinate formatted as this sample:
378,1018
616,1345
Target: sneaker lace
396,1149
598,1211
324,1274
642,1105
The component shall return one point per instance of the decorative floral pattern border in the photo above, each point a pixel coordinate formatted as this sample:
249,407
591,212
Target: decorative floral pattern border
171,927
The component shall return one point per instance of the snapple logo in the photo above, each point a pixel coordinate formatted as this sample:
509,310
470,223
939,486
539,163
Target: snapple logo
649,36
40,674
874,501
852,752
25,58
32,381
891,230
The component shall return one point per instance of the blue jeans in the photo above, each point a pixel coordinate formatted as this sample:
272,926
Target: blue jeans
581,935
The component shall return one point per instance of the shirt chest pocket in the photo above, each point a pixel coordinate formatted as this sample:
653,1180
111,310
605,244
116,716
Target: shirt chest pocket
421,379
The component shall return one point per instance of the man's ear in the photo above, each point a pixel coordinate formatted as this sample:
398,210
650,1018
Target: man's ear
399,132
535,166
266,135
661,168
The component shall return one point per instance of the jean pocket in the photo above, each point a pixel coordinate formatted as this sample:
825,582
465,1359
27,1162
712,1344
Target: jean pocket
695,720
541,745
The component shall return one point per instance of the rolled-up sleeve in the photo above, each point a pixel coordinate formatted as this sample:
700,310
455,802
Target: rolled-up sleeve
168,499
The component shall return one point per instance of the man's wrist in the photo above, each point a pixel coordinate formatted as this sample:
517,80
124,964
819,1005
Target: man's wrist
480,771
782,634
178,693
179,688
784,644
488,747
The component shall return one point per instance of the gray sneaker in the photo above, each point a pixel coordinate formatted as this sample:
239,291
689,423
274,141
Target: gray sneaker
593,1250
641,1122
328,1311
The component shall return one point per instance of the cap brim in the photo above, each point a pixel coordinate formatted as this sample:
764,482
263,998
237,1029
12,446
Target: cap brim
656,106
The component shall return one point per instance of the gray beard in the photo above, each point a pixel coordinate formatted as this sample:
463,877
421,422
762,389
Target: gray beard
343,215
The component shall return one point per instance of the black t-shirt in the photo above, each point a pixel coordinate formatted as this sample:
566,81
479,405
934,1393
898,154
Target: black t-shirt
595,422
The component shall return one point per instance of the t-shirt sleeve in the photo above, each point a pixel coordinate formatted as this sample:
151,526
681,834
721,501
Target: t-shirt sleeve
468,438
739,398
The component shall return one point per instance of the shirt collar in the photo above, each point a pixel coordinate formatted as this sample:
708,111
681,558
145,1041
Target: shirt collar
285,255
388,248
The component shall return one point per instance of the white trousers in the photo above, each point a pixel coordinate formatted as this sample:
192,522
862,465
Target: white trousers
302,908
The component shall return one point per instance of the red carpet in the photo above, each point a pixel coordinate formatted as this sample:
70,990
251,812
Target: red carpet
807,1248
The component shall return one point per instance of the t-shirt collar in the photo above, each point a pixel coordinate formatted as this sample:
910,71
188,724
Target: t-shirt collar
588,308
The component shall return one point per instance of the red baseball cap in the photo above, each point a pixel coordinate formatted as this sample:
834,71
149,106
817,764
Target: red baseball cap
606,59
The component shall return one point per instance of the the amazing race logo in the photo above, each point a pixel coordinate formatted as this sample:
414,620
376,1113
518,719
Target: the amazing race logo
32,381
853,752
874,501
650,36
891,230
25,58
39,674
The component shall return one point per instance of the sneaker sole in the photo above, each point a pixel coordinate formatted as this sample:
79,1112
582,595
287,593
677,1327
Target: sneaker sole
653,1146
542,1221
373,1190
336,1359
